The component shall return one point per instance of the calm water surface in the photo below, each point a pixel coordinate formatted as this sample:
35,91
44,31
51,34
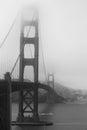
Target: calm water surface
64,117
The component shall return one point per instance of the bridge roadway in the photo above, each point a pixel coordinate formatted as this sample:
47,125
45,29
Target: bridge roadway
18,85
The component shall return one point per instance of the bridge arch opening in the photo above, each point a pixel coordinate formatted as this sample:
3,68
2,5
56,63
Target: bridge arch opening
29,51
31,31
29,73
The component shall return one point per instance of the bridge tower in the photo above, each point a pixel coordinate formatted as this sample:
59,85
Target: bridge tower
28,99
51,80
50,96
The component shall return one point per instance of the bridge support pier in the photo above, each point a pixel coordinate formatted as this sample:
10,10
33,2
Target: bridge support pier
7,123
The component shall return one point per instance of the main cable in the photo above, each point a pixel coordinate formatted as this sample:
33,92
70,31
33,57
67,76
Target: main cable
44,67
8,32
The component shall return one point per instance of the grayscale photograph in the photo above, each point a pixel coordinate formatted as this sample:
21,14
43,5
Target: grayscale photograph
43,65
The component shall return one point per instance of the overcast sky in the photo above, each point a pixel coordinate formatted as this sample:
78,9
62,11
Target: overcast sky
63,35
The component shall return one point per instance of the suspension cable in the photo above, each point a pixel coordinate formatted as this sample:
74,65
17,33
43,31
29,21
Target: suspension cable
44,67
22,47
5,38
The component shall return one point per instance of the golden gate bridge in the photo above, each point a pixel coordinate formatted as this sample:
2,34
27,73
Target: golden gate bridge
27,89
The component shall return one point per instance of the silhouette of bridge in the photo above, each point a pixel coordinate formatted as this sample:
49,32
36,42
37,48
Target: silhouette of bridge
28,91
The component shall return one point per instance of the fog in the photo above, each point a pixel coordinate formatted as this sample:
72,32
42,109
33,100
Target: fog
63,35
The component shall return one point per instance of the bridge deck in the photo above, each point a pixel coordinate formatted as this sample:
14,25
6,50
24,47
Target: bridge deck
18,85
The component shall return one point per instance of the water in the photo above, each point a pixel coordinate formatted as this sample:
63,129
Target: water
64,117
